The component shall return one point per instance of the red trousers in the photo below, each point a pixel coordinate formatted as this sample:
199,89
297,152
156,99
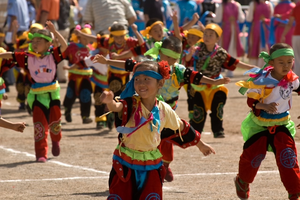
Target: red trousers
285,151
44,120
123,185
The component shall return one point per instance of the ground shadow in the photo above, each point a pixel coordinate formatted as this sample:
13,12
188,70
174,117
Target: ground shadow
12,165
94,194
77,129
102,133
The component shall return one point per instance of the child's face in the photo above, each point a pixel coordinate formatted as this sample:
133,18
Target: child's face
119,40
157,32
40,45
171,61
192,39
282,65
146,86
210,37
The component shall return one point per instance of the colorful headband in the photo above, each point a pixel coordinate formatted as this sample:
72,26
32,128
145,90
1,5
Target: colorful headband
154,52
148,28
264,55
214,27
35,35
86,29
196,32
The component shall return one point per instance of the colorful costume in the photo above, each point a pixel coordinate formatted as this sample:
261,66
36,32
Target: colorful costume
283,8
137,171
79,81
207,97
43,97
263,131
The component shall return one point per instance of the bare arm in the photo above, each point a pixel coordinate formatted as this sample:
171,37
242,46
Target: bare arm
245,66
90,38
107,98
287,29
146,16
188,25
137,34
61,40
13,18
116,63
131,20
211,81
7,55
44,17
176,26
17,126
123,55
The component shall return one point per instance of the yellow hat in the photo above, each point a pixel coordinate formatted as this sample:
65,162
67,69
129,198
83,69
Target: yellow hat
148,28
214,27
194,31
36,25
2,50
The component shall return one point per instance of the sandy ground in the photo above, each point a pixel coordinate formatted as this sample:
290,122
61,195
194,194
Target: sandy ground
81,171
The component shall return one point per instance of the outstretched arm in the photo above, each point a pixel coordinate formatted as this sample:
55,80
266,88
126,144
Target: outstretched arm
90,38
116,63
6,55
17,126
245,65
176,26
211,81
61,40
107,98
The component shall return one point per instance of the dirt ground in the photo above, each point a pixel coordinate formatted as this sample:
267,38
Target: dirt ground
81,171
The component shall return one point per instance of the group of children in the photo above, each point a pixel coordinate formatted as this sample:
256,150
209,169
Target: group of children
144,114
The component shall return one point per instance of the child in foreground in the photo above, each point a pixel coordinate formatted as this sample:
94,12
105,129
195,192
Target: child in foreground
137,162
268,126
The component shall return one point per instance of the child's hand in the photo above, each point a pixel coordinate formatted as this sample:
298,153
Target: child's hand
195,17
5,96
19,126
107,97
202,27
221,81
205,148
134,27
174,16
270,108
114,56
66,67
192,50
50,26
100,59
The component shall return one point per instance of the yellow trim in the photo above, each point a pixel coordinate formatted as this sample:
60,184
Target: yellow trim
249,84
214,27
118,33
254,95
82,72
101,119
148,28
49,88
208,95
273,120
116,71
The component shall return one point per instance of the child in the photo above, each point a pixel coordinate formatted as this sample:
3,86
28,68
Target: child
44,98
169,50
268,126
16,126
137,164
79,77
209,59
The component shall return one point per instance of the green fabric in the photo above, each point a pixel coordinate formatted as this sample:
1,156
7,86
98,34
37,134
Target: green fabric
100,77
1,81
81,73
140,155
43,98
267,58
250,127
199,88
154,52
31,36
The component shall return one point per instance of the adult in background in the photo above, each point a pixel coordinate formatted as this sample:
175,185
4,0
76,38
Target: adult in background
153,9
103,13
296,36
48,10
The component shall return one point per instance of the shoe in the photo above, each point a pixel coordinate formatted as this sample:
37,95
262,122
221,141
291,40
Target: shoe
294,196
55,148
219,134
100,125
68,115
242,188
41,159
22,107
86,120
169,175
110,120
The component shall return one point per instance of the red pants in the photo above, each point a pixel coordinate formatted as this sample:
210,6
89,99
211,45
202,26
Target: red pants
285,151
123,185
166,149
43,120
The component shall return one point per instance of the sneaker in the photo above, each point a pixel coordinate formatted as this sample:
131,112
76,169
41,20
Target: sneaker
242,188
68,116
219,134
100,125
169,175
110,120
294,196
55,148
86,120
41,159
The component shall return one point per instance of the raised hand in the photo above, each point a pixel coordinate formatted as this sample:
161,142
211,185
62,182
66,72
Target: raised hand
50,26
134,27
100,59
174,16
107,97
195,17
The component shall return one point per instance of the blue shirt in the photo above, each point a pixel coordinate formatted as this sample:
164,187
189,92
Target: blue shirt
19,9
186,9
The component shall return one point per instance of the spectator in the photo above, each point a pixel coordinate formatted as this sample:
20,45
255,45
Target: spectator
32,8
185,10
18,10
48,10
103,13
153,9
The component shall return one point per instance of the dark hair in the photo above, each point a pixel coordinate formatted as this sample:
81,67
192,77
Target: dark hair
20,33
257,1
45,32
224,1
172,43
152,21
117,27
279,46
1,30
153,65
